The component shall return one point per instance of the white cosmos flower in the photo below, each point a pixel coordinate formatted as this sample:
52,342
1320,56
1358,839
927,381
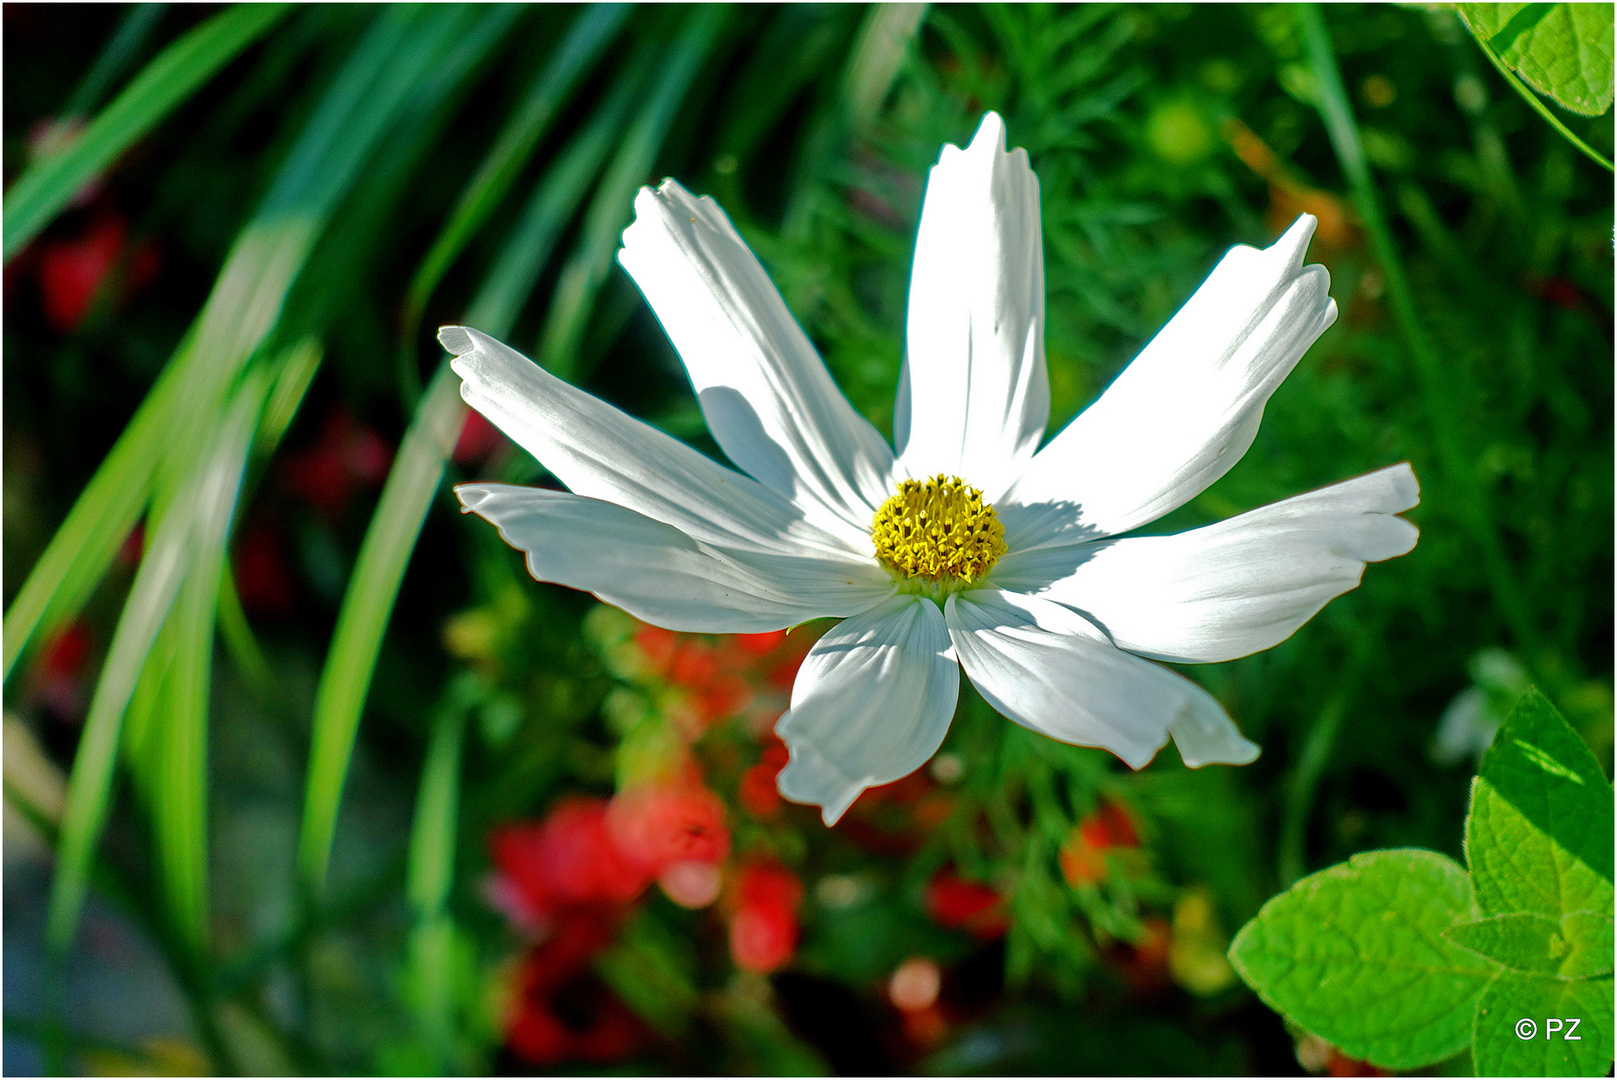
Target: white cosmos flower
971,546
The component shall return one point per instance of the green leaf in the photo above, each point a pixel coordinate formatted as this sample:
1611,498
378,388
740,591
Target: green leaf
1356,954
1563,51
1513,999
1590,943
167,81
1579,946
1539,834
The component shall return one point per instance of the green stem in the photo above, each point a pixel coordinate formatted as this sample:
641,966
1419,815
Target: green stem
1304,780
1459,472
1539,107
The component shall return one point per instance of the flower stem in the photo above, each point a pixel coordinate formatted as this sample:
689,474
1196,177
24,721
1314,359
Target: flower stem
1460,474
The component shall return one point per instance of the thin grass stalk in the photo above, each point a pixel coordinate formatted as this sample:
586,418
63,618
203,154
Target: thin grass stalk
417,474
1458,470
178,72
610,210
239,314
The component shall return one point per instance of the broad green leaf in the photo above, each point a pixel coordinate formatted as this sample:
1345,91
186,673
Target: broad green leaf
167,81
1514,1001
1579,946
1590,943
1356,955
1539,834
1561,50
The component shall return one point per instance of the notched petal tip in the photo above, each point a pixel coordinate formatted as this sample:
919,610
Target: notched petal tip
811,778
990,132
456,339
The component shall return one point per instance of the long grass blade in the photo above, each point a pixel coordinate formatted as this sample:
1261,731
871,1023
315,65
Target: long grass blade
243,307
417,472
179,799
1449,430
167,81
367,605
241,311
609,212
590,34
120,52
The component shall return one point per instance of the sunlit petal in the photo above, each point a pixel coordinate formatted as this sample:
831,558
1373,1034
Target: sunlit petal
659,574
765,393
1050,670
1189,405
602,453
1233,588
871,704
974,397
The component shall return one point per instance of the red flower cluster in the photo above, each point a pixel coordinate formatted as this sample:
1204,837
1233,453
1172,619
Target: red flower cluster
763,922
588,853
570,879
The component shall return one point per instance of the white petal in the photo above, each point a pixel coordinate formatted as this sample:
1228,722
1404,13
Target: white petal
767,397
1050,670
974,397
602,453
1233,588
871,704
657,573
1189,405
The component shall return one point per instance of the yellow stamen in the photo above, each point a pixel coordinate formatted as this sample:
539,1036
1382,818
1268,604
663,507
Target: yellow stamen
938,529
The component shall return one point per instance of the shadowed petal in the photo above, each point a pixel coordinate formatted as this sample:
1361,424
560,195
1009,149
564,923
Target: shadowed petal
1189,405
872,703
764,391
657,573
1050,670
1230,589
602,453
974,397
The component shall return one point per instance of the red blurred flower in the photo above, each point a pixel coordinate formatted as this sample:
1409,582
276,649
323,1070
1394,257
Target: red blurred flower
1339,1064
568,859
972,906
348,455
60,671
1083,856
655,825
656,647
560,1012
763,926
1144,963
72,272
757,791
477,441
760,644
133,549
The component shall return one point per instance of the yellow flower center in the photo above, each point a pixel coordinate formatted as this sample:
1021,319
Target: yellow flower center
940,530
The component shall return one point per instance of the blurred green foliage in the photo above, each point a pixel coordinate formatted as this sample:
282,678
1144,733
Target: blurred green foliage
304,833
